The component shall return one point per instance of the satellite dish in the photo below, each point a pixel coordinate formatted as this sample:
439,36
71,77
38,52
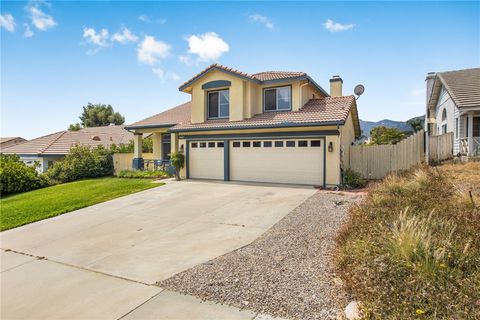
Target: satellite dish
359,89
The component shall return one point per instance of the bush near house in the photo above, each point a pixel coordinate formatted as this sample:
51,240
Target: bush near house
16,176
147,146
353,180
82,162
146,174
411,249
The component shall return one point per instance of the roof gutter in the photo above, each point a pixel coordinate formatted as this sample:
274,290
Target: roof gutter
268,126
128,128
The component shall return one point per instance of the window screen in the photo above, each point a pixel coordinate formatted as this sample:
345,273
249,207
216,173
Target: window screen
278,144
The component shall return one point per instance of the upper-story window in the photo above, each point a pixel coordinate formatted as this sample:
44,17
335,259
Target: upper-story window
277,99
218,104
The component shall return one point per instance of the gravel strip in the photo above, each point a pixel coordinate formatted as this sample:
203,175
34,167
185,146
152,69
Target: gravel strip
286,272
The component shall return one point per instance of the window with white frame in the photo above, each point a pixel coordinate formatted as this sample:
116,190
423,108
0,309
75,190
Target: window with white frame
218,104
277,99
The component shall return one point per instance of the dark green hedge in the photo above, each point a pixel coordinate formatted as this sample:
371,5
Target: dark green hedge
16,176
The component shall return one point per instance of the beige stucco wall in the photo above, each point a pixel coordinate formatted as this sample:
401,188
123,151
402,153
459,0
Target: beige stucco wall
332,172
347,136
246,97
199,96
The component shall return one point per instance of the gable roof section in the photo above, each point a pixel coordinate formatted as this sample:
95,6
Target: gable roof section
323,111
168,118
463,86
259,78
59,143
7,139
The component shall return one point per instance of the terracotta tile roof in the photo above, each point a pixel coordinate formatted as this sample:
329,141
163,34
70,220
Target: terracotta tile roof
6,139
61,142
259,77
463,86
314,112
170,117
277,75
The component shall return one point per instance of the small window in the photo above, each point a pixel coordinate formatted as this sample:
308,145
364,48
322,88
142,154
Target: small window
194,145
246,144
220,144
277,99
315,143
256,144
278,144
303,143
211,144
218,104
267,144
444,115
236,144
444,129
290,144
456,128
203,144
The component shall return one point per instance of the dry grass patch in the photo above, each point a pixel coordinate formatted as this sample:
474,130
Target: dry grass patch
411,249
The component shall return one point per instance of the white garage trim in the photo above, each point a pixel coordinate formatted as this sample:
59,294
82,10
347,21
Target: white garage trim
292,161
206,159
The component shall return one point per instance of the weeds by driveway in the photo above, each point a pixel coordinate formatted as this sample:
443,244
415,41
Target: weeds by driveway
287,272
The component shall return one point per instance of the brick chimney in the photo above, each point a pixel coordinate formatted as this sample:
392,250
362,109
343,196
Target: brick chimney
336,86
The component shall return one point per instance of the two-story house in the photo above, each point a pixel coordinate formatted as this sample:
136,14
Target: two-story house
453,105
277,127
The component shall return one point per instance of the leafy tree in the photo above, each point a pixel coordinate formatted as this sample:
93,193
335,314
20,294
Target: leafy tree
74,127
384,135
416,124
147,146
178,161
98,115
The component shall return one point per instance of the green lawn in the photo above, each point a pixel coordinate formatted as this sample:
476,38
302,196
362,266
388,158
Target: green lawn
28,207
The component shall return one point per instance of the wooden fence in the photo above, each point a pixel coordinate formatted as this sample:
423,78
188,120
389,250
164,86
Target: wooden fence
440,147
123,161
374,162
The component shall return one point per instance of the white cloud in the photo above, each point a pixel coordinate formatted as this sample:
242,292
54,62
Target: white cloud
208,46
7,21
186,60
150,51
162,75
27,33
40,20
335,26
258,18
124,37
147,19
144,18
97,38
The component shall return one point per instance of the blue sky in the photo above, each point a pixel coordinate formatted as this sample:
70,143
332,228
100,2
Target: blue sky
55,57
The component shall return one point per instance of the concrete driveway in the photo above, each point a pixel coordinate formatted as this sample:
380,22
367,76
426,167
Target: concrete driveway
112,253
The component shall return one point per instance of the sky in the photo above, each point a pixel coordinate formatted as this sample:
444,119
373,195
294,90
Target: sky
57,56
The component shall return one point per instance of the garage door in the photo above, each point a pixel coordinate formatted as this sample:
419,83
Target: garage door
278,161
206,160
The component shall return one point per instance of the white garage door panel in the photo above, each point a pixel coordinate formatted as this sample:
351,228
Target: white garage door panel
206,163
297,165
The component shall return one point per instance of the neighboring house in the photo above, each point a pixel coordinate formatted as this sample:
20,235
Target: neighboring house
453,105
48,149
275,126
6,142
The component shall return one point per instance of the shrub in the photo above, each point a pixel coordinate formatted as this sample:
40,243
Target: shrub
16,176
148,174
178,161
412,248
83,162
147,146
353,180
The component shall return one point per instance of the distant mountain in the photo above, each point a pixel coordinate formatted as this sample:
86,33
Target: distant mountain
367,126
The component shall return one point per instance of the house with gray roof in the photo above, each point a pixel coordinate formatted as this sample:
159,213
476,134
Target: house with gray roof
453,105
46,150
